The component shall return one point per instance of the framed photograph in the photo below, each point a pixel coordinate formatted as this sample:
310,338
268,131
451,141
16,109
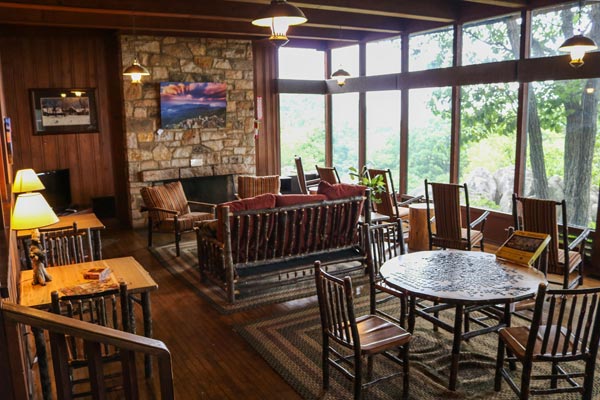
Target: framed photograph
64,110
186,105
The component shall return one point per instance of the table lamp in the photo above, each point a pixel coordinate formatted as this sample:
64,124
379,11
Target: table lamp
26,180
32,211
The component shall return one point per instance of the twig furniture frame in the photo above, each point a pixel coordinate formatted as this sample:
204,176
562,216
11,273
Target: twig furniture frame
259,243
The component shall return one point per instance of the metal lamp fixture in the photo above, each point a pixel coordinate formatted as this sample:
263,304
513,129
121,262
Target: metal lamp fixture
578,45
340,75
279,16
136,71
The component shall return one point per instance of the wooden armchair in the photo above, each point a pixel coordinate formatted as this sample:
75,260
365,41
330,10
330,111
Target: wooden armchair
449,231
252,186
564,331
304,184
386,202
169,210
565,257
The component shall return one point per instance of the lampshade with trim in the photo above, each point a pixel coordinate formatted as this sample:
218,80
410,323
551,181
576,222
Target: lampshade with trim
340,76
136,71
279,16
578,45
26,180
32,211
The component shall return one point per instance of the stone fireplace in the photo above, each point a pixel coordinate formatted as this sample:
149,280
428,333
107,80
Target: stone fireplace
156,155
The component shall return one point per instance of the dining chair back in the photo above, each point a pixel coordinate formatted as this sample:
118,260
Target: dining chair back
362,337
328,174
449,231
252,186
385,243
68,246
564,331
107,307
565,257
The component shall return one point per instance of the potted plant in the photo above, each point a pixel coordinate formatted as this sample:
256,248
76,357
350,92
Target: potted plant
375,184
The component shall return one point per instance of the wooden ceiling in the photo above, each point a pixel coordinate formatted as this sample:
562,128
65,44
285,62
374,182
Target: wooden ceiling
330,22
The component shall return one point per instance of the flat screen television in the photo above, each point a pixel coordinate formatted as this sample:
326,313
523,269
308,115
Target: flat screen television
58,189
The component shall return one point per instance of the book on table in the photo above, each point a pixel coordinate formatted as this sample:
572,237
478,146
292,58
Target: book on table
523,247
91,287
99,274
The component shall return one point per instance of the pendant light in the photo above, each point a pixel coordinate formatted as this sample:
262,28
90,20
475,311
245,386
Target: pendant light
135,70
340,76
279,16
578,44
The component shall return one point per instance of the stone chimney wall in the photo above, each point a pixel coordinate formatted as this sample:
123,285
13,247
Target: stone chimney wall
155,155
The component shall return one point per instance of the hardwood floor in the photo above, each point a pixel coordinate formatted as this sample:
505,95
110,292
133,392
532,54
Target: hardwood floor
210,359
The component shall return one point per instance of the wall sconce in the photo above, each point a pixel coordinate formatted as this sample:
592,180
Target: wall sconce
340,76
279,16
578,45
136,71
26,180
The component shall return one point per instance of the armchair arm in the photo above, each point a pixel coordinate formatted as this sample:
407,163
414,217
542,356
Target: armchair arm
480,220
202,205
579,240
404,203
146,208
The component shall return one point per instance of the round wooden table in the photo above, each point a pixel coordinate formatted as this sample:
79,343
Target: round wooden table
459,279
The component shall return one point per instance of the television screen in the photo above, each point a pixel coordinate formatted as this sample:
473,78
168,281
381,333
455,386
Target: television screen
58,188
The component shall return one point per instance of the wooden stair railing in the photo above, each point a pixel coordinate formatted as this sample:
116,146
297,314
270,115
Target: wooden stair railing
12,369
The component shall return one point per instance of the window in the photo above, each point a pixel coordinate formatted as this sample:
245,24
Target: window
492,40
302,121
487,144
383,132
428,137
345,58
383,57
431,50
345,133
563,155
548,30
301,63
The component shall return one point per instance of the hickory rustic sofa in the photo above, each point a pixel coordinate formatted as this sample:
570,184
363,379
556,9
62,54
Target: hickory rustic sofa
270,238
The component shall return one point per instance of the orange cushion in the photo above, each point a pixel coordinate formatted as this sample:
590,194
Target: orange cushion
252,203
283,200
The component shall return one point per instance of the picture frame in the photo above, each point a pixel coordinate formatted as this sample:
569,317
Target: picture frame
187,105
63,110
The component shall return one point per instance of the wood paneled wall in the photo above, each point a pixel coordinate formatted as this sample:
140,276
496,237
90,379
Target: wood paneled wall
56,58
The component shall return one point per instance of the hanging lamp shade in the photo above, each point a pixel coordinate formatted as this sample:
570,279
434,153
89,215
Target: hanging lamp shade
279,16
136,71
340,76
578,45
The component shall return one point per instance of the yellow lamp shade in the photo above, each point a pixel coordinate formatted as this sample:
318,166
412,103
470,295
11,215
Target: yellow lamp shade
32,211
26,180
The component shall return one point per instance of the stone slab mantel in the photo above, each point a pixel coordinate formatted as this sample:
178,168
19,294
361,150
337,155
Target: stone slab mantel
166,174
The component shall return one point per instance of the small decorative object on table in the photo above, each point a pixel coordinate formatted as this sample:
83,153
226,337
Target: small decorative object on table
89,288
99,274
37,256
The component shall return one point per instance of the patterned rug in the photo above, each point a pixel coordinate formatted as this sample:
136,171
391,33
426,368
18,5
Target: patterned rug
185,268
291,344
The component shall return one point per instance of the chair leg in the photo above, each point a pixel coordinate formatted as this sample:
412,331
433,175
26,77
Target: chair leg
325,361
499,365
149,232
525,380
357,377
405,378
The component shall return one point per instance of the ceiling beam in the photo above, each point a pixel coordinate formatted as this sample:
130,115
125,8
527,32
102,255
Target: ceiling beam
501,3
428,10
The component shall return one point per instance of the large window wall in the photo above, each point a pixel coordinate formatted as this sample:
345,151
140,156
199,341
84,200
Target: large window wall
499,128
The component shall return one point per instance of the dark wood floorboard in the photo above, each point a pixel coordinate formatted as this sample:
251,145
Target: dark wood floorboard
210,359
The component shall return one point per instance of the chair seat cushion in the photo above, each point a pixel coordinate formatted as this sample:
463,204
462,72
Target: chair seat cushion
403,212
574,258
516,339
476,236
378,334
186,221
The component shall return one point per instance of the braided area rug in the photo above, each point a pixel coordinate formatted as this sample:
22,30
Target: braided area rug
291,344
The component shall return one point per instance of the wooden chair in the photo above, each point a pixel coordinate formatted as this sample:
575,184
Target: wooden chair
449,231
68,246
361,337
564,257
109,308
385,242
328,174
252,186
565,329
304,184
169,211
